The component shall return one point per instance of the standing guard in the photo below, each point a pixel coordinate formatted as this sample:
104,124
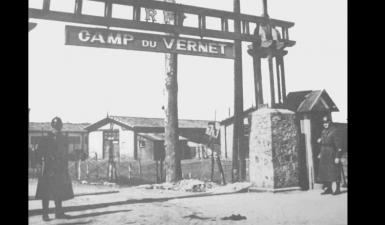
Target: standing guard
54,182
330,157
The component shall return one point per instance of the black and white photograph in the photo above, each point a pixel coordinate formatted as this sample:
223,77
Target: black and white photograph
187,112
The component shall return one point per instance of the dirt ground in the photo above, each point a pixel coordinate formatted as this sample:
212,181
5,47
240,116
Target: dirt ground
110,205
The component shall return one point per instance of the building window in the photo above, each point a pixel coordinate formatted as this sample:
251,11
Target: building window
74,140
36,140
86,139
142,144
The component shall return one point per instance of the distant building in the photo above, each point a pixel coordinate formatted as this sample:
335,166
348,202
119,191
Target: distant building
226,134
139,138
151,147
77,135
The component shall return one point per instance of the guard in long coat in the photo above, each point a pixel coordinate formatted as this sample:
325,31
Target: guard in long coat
54,183
330,157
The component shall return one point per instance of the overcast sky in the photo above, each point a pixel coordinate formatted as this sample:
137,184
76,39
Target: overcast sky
83,84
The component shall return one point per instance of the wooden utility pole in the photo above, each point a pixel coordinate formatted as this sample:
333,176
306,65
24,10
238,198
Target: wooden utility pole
172,160
239,162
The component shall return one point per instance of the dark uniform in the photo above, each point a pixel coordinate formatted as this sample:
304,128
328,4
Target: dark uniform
54,183
331,149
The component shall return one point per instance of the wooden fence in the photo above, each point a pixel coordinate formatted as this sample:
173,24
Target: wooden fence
134,172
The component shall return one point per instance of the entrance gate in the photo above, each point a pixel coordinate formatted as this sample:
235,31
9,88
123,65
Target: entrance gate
268,40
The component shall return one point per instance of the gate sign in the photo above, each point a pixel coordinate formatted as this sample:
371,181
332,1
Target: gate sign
105,38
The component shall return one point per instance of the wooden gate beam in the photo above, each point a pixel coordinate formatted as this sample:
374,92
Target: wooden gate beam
239,157
197,10
179,9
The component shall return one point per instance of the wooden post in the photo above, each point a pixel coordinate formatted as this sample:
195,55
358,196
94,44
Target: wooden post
173,164
79,170
283,78
157,171
107,9
306,125
136,13
270,56
225,140
110,160
129,172
87,169
271,72
278,79
116,175
82,143
257,75
97,170
221,169
46,5
78,7
212,159
239,162
264,3
161,170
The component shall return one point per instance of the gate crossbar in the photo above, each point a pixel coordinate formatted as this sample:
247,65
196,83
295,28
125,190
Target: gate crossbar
178,9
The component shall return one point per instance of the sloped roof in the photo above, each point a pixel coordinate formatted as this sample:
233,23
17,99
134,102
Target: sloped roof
132,122
157,136
46,126
307,101
294,99
158,122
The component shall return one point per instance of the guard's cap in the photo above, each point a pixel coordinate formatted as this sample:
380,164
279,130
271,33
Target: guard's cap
56,123
326,119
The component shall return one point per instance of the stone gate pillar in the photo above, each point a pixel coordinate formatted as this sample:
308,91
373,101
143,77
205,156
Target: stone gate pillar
273,164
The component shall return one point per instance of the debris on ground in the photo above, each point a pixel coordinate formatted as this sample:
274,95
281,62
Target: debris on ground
195,216
106,183
234,217
98,183
194,185
230,188
188,185
145,186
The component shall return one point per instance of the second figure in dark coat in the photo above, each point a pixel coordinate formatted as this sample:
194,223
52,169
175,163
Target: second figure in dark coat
54,182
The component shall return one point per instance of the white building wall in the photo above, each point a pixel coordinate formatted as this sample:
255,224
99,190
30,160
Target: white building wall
126,139
229,141
95,142
223,141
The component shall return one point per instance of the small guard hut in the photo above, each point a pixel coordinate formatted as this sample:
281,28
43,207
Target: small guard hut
310,107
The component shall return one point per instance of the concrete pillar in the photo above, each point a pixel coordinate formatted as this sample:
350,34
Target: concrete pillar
273,162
